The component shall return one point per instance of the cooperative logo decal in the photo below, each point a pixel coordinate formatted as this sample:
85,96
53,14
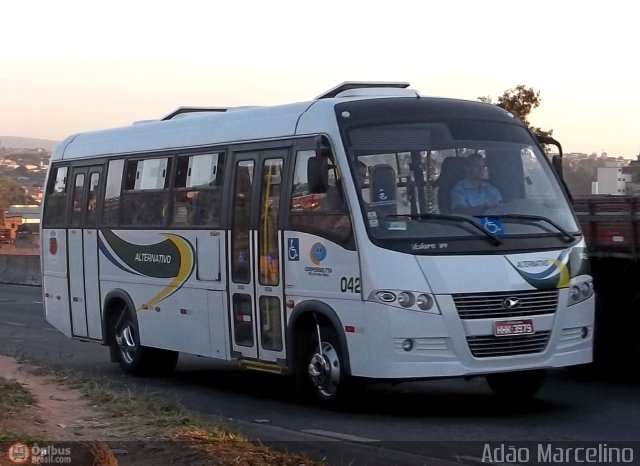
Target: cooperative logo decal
172,258
318,253
555,275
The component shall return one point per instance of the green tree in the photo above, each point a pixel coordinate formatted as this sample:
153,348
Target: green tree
11,193
520,101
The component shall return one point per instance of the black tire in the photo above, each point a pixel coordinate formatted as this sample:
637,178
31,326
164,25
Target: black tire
516,385
321,378
134,358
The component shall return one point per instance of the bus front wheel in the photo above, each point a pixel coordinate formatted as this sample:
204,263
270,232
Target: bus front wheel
516,385
320,371
134,358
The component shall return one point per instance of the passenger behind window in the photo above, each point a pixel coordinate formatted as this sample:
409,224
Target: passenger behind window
181,209
149,210
334,198
338,223
204,206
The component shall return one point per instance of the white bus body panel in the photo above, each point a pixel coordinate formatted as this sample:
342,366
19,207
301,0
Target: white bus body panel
318,267
76,283
92,284
54,279
185,313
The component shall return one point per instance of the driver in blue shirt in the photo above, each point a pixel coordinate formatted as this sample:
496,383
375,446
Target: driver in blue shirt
473,195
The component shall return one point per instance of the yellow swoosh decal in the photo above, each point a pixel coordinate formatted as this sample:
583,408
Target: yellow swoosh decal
565,278
186,266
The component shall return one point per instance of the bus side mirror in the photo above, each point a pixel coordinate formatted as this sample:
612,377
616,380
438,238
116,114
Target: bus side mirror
318,174
556,160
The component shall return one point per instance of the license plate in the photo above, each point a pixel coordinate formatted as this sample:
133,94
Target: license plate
502,328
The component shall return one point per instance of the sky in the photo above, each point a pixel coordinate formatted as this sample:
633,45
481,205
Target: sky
76,65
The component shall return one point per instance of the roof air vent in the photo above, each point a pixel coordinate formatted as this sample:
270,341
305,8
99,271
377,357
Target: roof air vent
192,111
339,90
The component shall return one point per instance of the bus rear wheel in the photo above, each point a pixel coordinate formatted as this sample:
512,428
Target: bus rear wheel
516,385
134,358
320,371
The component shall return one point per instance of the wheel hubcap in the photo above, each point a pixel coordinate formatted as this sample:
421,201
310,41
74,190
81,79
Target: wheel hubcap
127,344
324,370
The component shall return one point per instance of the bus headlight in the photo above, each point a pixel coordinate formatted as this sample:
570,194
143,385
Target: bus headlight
411,300
406,299
424,302
586,289
580,292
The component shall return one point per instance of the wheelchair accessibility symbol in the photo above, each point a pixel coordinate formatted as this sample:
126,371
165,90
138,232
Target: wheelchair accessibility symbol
492,225
293,249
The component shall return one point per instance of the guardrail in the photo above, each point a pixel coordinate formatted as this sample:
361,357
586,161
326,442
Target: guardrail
19,266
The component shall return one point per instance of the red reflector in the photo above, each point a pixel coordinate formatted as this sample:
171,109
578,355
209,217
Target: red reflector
290,304
53,246
349,329
183,311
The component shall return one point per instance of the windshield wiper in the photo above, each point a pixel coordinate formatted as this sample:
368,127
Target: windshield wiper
567,236
493,239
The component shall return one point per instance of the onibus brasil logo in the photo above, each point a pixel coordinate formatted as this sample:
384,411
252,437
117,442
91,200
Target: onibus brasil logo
21,453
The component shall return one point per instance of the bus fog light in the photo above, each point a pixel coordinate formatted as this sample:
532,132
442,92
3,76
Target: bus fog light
584,332
406,299
424,302
407,345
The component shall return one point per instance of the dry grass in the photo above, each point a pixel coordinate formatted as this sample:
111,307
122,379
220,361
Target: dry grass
15,403
144,416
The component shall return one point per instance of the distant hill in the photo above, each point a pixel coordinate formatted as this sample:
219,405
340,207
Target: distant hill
16,142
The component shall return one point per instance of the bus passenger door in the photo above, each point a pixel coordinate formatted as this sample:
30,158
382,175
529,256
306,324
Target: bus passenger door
83,254
256,291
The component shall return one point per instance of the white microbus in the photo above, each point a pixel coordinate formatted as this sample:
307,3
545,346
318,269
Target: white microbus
414,237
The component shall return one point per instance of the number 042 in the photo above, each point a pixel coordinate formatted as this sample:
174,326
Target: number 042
350,284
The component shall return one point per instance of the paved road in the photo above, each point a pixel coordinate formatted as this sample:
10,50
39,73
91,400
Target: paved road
411,423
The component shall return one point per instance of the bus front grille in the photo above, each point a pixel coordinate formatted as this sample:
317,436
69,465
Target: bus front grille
488,346
505,304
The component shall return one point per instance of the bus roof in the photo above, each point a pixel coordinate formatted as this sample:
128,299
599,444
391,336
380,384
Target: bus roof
202,126
198,130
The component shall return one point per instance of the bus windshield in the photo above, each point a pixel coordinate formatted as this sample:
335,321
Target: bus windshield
456,180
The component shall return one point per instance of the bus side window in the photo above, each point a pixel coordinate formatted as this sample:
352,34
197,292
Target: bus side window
198,190
324,214
111,204
145,200
76,206
506,173
54,214
94,181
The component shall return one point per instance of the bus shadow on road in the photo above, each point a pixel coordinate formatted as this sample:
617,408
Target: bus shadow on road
453,397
